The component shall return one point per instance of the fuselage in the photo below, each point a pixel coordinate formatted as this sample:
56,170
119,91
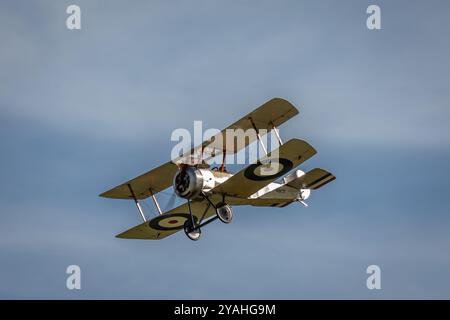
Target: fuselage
193,182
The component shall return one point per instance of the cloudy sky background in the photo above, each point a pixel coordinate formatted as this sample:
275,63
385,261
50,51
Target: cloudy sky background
82,111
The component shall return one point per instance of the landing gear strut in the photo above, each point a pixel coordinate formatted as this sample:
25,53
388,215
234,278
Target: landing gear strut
192,227
223,210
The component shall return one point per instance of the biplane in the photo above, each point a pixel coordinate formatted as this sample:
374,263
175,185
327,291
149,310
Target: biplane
210,193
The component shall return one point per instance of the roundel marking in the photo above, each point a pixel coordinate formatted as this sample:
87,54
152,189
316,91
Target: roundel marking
170,222
254,171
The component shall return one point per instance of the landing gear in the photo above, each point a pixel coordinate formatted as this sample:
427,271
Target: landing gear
191,232
192,225
224,212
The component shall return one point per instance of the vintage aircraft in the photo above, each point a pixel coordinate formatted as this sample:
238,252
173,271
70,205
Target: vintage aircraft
210,193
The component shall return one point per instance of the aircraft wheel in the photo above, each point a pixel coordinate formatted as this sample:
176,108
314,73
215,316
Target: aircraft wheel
193,234
224,212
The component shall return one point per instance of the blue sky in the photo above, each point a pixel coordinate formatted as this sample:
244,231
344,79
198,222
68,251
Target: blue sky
81,111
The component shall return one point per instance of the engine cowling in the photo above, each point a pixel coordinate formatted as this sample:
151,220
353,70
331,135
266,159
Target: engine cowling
190,182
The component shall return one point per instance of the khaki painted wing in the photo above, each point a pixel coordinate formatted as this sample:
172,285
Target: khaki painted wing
313,179
143,186
253,178
272,113
169,222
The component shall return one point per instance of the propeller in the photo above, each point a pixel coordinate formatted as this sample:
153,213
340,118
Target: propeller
173,196
170,203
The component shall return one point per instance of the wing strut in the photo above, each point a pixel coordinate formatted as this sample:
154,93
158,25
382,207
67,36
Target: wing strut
155,202
222,167
258,136
138,205
277,133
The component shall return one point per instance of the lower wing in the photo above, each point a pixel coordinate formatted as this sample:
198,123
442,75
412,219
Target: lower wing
169,222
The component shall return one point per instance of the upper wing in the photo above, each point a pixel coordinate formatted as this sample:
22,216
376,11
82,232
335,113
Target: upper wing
169,222
145,185
313,179
251,179
272,113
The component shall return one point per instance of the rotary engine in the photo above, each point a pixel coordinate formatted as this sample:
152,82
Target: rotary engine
190,182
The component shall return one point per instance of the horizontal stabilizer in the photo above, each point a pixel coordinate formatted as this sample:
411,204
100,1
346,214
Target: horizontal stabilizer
313,179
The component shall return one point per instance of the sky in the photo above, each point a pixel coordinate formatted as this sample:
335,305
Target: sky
84,110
